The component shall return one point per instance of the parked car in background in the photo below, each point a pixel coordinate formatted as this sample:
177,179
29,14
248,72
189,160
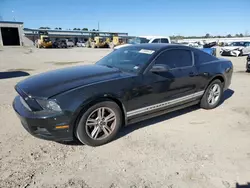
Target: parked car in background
209,44
248,63
206,47
92,102
236,49
80,44
60,44
70,43
146,39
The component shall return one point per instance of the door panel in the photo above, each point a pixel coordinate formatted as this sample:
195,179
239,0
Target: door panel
154,88
183,82
147,90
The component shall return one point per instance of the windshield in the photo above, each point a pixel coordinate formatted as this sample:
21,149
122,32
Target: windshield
128,59
46,39
138,40
237,44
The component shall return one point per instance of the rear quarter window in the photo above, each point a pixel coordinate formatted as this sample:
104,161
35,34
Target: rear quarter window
164,40
201,57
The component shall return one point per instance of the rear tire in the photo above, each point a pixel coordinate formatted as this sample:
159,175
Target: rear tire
212,95
95,128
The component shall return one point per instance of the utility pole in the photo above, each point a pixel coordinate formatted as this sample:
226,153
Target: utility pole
14,19
98,26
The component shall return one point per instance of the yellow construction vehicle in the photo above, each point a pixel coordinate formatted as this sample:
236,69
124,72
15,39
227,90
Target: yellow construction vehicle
116,41
43,41
99,42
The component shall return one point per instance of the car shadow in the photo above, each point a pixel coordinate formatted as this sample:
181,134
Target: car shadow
227,94
135,126
70,143
13,74
243,186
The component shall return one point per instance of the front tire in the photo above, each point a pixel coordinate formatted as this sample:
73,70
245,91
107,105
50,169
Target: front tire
99,124
212,95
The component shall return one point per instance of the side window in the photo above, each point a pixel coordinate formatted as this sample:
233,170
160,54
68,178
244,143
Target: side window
156,41
164,40
175,58
202,57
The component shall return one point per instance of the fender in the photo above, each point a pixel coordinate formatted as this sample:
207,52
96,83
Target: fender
97,98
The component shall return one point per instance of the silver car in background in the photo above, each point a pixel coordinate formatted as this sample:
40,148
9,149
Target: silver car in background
70,43
80,44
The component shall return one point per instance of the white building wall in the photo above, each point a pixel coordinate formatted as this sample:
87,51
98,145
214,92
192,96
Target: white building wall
20,31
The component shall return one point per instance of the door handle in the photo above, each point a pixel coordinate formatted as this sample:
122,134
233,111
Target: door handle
205,73
191,74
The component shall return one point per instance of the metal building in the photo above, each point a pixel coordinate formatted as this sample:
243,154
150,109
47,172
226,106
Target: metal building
11,33
74,35
14,34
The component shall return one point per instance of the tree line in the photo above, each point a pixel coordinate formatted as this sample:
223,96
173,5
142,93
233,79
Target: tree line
179,37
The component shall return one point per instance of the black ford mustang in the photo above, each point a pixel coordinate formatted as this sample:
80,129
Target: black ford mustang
92,102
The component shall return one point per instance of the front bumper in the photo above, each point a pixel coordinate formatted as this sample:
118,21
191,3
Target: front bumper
42,124
230,53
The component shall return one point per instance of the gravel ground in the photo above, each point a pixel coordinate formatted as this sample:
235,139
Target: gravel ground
190,148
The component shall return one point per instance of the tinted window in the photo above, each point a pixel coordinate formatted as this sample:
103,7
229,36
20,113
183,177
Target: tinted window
164,40
156,41
202,57
175,58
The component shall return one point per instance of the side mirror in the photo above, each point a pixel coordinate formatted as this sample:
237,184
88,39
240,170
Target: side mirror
159,68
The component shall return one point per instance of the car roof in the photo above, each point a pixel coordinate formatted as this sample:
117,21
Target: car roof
157,46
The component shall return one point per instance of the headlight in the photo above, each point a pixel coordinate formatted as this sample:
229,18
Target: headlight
49,105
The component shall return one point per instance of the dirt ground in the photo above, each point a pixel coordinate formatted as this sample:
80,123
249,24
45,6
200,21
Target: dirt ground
190,148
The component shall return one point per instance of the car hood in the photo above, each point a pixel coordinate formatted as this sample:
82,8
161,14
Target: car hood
228,48
54,82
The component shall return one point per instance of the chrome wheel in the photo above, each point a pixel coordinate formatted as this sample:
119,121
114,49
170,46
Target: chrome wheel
100,123
214,94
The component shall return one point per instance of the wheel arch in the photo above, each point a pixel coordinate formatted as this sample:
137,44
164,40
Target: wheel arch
94,100
219,77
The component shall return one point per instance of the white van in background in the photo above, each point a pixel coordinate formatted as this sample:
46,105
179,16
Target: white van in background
145,39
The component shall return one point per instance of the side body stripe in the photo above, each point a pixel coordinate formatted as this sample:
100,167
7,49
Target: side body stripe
164,104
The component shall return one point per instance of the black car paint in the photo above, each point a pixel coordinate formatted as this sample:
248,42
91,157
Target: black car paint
77,88
248,65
